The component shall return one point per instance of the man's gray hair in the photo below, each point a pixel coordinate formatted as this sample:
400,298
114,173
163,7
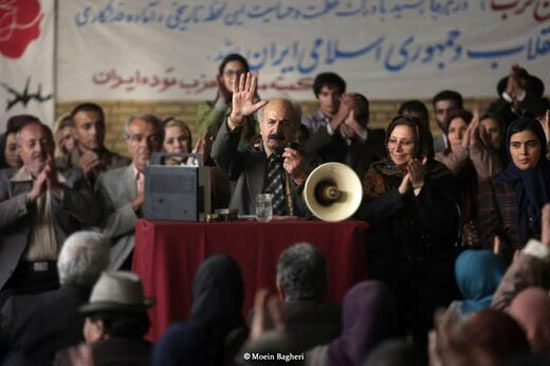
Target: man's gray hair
151,118
85,254
302,272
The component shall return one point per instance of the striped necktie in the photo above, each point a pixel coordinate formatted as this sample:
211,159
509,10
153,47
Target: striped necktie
275,184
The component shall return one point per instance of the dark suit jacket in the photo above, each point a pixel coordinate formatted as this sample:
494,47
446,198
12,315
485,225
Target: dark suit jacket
358,156
35,327
115,352
78,207
246,170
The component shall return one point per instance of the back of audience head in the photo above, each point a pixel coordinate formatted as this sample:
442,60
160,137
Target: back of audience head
89,122
416,109
369,318
218,294
531,308
116,308
478,274
84,255
455,126
301,273
177,136
444,102
499,334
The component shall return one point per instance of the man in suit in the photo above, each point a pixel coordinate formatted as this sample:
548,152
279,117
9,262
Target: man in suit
120,192
39,207
35,327
347,139
273,167
91,155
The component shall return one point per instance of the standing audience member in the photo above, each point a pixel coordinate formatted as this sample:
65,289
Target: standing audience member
369,318
478,274
91,155
120,192
302,285
444,103
35,327
346,138
116,322
531,308
328,88
215,330
410,203
9,154
510,203
39,207
65,140
273,167
519,93
211,115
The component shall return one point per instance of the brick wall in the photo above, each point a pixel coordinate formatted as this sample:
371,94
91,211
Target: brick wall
116,114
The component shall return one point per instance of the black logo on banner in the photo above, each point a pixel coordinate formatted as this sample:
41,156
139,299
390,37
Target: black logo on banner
25,96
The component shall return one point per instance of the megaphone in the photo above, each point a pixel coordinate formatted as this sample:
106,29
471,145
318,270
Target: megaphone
333,192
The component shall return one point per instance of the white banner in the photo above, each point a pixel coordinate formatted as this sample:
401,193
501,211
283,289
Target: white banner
26,59
171,49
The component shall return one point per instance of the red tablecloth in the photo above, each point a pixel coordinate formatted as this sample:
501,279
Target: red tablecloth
168,254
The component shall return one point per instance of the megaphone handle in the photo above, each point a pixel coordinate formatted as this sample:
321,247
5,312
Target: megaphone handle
288,193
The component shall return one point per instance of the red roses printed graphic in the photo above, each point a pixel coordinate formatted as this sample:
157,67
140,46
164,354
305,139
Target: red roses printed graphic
19,25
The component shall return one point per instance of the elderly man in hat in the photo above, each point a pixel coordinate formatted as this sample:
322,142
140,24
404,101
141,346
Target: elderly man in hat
116,321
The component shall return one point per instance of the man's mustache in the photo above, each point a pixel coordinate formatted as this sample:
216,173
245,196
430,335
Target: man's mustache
276,136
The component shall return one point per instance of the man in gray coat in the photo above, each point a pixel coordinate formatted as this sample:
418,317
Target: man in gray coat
120,192
39,207
252,170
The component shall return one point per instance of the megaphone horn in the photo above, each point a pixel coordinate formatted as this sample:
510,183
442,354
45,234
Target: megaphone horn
333,192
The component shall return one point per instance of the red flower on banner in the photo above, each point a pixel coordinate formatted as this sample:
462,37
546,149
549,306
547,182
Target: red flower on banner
19,25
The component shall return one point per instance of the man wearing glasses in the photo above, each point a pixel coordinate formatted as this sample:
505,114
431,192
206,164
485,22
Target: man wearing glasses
120,192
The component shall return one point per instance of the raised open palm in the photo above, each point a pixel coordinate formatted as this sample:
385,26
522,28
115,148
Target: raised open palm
243,104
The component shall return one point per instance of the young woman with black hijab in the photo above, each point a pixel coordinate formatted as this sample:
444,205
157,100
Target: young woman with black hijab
511,201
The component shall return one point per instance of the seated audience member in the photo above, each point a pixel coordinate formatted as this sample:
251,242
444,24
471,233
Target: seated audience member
487,338
116,322
90,154
211,115
443,103
302,285
215,330
273,167
328,88
531,308
410,202
510,203
346,138
39,207
65,140
478,274
470,161
530,267
369,318
35,327
120,192
417,109
520,92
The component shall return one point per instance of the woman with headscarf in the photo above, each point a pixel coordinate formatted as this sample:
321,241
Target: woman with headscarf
531,308
478,274
215,330
369,318
510,203
410,202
